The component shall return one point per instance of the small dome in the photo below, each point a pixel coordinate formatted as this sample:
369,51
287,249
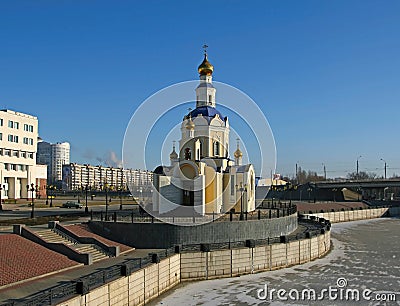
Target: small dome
238,153
173,155
205,67
190,124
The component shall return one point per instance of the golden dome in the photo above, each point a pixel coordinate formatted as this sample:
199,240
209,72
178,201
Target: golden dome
238,153
190,124
205,67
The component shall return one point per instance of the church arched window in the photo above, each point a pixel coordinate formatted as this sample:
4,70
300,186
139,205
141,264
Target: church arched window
188,154
216,148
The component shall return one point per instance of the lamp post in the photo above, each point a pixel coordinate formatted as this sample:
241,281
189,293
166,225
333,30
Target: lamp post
358,166
52,188
385,167
32,189
141,196
241,189
2,187
120,197
86,206
47,194
79,191
324,171
106,191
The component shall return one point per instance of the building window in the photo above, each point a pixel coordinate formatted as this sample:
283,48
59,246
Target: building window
1,136
25,140
23,154
8,153
28,127
13,138
15,153
10,124
30,155
16,125
1,122
209,99
31,141
1,152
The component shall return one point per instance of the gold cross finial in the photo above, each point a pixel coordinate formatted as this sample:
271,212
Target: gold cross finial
205,49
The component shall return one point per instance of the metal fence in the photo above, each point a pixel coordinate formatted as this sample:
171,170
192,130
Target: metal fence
264,211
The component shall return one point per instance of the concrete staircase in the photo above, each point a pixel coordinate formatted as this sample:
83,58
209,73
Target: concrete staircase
53,237
89,248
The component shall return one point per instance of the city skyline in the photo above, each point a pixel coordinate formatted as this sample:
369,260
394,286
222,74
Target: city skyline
323,74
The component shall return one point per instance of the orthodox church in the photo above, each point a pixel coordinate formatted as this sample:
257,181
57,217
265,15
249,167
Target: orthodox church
202,179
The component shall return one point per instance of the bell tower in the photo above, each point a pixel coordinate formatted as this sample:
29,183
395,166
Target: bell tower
205,92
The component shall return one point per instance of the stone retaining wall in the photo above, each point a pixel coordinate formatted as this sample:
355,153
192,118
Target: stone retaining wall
234,262
148,283
136,289
356,214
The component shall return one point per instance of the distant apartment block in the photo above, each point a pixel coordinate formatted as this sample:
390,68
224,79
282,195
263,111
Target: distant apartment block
18,143
54,155
76,176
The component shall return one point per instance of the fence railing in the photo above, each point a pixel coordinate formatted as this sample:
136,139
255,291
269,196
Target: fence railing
264,211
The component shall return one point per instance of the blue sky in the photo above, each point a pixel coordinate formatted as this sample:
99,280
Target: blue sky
325,73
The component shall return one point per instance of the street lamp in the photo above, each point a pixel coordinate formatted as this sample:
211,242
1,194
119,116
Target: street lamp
241,189
358,166
32,189
106,191
79,192
324,170
120,197
47,194
52,188
3,187
86,191
384,166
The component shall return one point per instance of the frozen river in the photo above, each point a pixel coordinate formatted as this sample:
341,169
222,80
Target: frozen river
364,264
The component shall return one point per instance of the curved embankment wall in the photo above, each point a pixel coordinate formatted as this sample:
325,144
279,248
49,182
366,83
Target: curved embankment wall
143,285
357,214
147,235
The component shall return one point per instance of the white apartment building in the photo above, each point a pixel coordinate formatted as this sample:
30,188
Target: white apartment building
54,155
76,176
18,143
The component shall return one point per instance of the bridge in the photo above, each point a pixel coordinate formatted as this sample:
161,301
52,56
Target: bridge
365,184
354,190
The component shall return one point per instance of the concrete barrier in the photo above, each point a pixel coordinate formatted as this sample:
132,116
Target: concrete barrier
357,214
